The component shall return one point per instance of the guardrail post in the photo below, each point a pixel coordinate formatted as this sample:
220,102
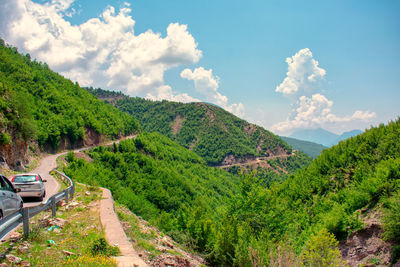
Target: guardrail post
53,207
72,191
25,221
66,197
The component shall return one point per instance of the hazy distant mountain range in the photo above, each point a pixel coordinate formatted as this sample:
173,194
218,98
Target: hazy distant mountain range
323,137
310,148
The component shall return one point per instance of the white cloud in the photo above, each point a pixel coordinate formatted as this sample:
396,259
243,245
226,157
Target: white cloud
303,73
311,110
104,51
207,84
315,111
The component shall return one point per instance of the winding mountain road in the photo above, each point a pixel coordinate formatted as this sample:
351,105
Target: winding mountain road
52,187
114,232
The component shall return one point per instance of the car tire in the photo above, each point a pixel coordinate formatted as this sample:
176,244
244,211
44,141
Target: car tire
44,193
1,215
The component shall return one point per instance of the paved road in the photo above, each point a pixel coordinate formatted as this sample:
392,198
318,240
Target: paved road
47,164
52,186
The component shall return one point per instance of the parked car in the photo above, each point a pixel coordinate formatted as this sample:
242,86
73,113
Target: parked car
10,201
31,185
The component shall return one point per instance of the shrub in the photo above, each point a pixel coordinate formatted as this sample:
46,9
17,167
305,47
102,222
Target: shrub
322,250
391,218
101,247
4,139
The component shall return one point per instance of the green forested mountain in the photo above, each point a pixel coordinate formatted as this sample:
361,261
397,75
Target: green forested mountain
359,174
208,130
163,182
310,148
41,105
247,222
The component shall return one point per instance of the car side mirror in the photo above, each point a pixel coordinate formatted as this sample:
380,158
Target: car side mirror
17,190
44,181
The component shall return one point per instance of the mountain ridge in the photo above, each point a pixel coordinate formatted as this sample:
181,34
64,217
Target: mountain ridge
210,131
322,136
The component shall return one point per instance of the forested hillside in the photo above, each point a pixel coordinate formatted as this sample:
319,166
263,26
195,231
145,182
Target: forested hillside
162,182
37,104
340,189
310,148
213,133
250,223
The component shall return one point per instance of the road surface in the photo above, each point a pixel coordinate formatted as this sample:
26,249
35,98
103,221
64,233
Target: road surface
47,164
52,186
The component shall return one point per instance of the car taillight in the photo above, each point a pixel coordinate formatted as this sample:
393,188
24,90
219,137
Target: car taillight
37,178
12,179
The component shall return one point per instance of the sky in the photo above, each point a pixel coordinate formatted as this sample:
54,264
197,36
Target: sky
284,65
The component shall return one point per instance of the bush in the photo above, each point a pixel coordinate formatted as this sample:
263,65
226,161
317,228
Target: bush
4,139
391,218
101,247
322,250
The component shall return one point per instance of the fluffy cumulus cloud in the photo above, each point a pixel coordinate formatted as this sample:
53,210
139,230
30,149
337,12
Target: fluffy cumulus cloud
103,51
207,84
315,111
303,73
311,110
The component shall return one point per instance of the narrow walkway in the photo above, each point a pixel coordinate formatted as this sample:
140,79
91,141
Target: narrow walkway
115,234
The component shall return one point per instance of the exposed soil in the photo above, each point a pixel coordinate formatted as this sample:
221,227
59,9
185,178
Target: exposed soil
250,129
92,138
250,160
84,156
366,247
192,145
177,124
14,155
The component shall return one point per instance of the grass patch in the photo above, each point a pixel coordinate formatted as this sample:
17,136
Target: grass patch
81,242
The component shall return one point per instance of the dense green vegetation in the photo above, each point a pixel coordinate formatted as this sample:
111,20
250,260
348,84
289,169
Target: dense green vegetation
310,148
282,168
361,172
161,181
208,130
37,103
245,222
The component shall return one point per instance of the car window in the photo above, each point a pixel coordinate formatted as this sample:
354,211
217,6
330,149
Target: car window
24,179
5,184
2,183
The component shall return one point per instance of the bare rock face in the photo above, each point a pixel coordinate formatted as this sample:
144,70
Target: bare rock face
231,160
14,155
167,260
365,247
92,138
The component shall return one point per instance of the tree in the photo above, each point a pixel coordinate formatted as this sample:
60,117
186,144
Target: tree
322,250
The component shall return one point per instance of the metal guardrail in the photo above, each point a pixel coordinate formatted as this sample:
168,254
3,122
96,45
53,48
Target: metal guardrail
8,223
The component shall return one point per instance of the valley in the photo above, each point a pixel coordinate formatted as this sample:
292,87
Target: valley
221,187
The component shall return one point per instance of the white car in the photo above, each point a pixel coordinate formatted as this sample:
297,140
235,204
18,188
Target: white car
31,185
10,201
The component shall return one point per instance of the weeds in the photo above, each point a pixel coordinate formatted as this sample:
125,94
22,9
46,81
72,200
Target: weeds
73,245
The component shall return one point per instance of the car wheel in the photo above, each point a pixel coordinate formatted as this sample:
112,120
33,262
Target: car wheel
44,193
1,215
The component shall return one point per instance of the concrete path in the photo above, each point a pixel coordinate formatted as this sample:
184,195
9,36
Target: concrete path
115,234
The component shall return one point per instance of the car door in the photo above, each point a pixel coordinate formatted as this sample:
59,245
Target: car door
5,195
10,198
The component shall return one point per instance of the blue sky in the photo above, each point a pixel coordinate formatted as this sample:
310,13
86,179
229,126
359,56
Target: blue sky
233,53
